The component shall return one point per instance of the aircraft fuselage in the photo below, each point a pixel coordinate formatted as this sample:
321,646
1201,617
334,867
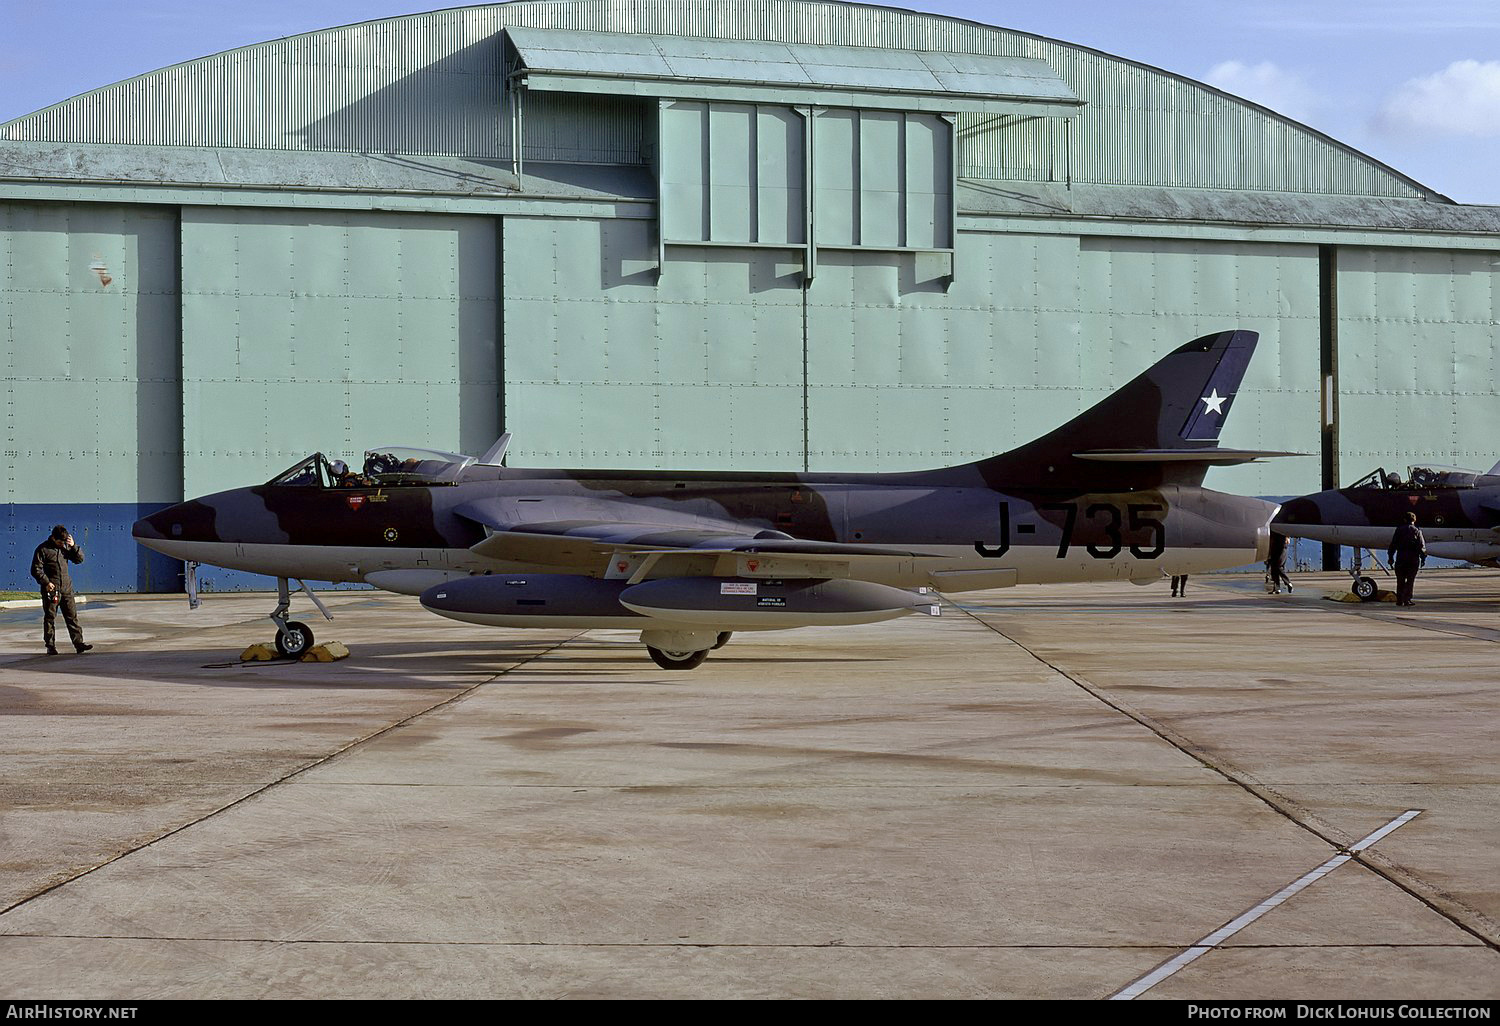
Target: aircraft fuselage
1457,523
350,534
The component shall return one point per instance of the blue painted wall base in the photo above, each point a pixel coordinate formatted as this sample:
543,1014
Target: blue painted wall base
113,562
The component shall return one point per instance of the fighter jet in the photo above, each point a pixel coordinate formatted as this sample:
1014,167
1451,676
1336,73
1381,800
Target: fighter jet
1458,511
687,558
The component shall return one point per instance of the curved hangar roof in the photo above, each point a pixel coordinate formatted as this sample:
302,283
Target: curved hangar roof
432,84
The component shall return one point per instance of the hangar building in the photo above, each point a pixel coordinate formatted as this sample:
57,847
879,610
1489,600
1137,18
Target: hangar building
748,234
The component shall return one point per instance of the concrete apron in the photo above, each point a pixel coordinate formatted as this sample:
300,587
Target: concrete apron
1046,796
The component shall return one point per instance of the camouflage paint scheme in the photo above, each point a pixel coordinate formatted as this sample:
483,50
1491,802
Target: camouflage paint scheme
1113,494
1457,510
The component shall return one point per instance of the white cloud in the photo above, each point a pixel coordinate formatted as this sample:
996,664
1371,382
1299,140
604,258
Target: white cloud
1268,85
1462,99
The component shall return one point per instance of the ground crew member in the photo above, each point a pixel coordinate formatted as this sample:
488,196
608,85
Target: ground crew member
1276,565
49,565
1407,552
1179,586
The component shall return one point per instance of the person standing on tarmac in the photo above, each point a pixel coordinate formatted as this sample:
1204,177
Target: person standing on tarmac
49,565
1407,552
1276,565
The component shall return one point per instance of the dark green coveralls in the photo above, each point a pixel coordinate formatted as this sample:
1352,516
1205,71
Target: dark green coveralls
50,564
1407,552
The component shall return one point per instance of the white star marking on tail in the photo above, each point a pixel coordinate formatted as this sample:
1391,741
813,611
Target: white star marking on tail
1214,402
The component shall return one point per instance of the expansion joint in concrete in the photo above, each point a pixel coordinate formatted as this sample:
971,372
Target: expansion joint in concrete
320,761
1466,918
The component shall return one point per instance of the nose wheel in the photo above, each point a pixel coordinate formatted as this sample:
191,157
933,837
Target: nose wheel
293,637
1363,586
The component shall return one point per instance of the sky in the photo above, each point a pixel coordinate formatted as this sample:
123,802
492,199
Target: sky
1413,83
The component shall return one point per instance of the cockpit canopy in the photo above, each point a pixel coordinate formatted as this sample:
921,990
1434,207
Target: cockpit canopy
387,466
1434,478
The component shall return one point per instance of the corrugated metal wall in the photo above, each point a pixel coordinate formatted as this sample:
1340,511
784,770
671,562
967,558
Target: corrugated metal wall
92,428
575,128
430,83
427,83
1144,127
333,333
1417,359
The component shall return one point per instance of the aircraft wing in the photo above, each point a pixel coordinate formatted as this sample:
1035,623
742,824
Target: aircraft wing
573,541
1212,456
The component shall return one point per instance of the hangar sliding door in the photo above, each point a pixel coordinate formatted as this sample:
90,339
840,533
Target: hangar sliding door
333,332
88,312
1417,359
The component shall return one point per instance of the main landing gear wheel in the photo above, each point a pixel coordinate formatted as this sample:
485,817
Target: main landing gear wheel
295,640
723,639
1364,589
677,660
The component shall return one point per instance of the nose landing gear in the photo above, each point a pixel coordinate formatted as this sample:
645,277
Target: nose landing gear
1364,587
293,637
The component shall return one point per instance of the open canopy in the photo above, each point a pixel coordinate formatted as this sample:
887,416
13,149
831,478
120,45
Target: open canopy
1429,478
385,466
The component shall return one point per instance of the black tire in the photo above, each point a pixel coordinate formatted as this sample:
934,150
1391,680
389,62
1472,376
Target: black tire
677,660
724,637
295,640
1364,589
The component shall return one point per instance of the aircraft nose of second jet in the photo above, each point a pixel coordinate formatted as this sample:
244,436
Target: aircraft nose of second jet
1301,510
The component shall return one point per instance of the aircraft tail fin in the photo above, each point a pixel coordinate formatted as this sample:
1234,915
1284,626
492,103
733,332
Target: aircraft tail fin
1161,427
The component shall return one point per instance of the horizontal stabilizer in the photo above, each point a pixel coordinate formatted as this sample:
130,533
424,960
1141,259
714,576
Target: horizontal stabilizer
1213,457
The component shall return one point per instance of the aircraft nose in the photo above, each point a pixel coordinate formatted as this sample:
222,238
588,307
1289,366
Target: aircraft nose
153,527
1302,510
191,521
